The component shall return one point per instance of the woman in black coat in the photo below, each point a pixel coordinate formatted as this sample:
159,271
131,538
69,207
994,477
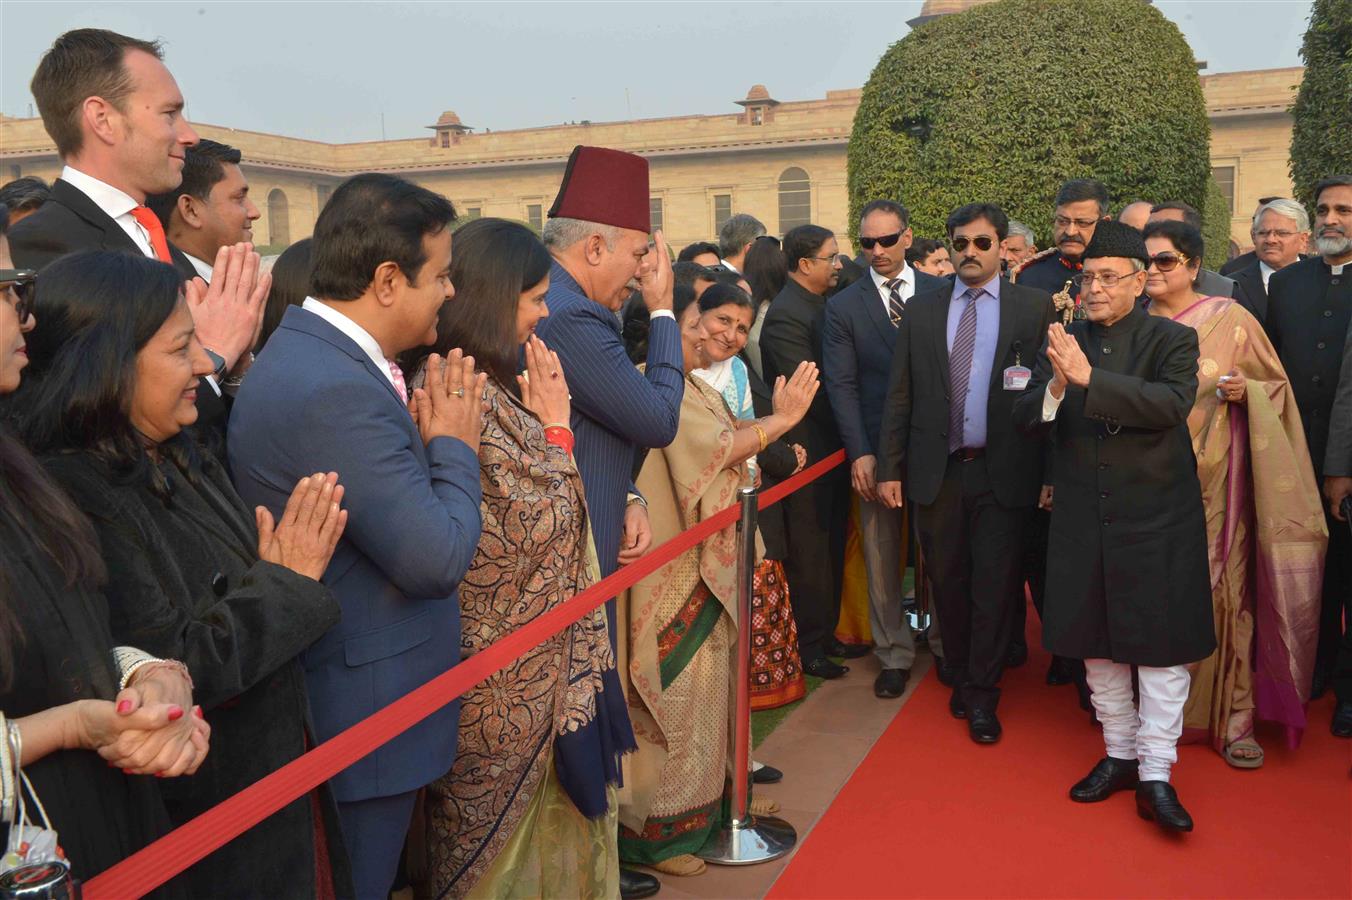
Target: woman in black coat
192,573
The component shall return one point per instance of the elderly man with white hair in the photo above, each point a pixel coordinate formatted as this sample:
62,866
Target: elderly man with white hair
1281,230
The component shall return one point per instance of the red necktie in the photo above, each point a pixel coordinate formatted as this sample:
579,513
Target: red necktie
151,223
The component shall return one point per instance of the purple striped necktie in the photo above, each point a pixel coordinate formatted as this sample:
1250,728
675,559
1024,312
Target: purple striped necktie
960,367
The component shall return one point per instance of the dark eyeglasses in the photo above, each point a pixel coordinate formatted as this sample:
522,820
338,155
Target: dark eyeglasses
887,240
21,281
1167,262
983,243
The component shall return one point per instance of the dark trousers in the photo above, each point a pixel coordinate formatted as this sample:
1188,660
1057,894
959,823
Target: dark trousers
1033,570
1335,620
815,519
374,831
974,551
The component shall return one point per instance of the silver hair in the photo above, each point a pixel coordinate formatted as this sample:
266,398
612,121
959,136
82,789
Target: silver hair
562,233
1139,265
737,232
1283,206
1017,227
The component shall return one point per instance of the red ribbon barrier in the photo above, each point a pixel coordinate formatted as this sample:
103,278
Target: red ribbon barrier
156,863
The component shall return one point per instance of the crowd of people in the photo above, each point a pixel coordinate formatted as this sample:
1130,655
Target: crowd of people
246,509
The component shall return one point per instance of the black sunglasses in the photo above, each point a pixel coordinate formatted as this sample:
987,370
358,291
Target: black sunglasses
886,240
22,281
983,243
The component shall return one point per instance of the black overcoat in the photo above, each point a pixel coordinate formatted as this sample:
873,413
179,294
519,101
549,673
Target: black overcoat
1127,572
185,582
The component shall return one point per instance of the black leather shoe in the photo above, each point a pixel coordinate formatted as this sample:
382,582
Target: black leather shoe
767,775
821,667
983,726
1017,655
846,651
943,672
1107,777
1341,726
890,683
956,708
1157,801
635,885
1060,672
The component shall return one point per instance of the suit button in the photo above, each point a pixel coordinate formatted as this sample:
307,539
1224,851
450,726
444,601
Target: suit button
1099,436
1319,346
1102,466
1107,351
1107,521
219,584
1314,378
1328,314
1103,495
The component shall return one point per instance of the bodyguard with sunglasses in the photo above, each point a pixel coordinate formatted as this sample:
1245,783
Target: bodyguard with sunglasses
963,354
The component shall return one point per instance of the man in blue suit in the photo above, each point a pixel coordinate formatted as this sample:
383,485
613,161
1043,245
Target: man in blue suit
598,234
326,396
857,344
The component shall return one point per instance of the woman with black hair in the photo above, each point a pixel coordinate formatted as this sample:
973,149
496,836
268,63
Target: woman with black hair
65,690
766,271
528,808
290,286
193,574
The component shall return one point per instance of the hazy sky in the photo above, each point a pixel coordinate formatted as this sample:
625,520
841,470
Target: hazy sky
329,71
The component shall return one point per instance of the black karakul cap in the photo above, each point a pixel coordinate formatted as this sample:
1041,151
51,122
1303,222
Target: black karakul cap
1116,240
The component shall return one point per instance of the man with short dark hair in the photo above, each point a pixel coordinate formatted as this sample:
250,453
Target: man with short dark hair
859,334
23,196
815,516
697,277
210,209
736,237
1309,313
1081,204
327,396
962,356
703,253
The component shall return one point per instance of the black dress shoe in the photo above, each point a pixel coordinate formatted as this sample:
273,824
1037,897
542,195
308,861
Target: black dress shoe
821,667
1060,672
635,885
890,683
983,726
943,672
767,775
1341,726
846,651
1157,801
956,708
1107,777
1017,655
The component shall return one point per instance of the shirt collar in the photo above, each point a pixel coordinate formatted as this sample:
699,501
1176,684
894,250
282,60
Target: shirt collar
360,336
731,268
202,268
113,202
906,276
990,288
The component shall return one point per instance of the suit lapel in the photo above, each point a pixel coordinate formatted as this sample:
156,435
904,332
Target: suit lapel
873,308
78,202
941,337
307,322
1002,338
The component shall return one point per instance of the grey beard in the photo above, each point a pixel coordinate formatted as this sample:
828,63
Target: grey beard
1333,246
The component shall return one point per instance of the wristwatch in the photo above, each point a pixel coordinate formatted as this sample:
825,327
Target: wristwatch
218,362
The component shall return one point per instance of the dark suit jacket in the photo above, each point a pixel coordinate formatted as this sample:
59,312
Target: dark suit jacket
1243,261
1252,295
915,418
314,402
777,462
793,334
1338,460
858,340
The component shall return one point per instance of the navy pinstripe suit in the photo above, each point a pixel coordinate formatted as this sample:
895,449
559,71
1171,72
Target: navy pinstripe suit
616,409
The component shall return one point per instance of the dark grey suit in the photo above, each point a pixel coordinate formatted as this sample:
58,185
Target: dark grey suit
1254,297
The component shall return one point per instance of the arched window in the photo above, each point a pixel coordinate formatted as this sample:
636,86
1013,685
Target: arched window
279,219
795,199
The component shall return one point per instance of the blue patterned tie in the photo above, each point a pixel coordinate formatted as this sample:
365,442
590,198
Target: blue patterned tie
960,368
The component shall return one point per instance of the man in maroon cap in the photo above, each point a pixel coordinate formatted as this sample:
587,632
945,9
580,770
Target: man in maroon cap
598,234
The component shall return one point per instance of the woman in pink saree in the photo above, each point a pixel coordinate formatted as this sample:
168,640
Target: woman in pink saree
1265,528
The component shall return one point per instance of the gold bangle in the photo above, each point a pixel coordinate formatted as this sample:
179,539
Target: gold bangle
764,438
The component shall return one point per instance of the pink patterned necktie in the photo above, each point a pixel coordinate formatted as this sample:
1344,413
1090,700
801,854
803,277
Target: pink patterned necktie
397,374
960,368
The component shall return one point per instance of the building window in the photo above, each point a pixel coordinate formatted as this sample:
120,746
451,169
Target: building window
279,219
473,212
722,209
654,215
535,216
445,138
795,199
15,172
757,115
1225,177
322,192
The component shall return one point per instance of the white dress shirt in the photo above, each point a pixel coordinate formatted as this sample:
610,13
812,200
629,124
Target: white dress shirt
203,270
360,336
906,288
1266,271
115,203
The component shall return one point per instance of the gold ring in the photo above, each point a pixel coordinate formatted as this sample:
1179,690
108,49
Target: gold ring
459,392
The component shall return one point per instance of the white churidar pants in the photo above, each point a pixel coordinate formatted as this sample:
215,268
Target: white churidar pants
1150,735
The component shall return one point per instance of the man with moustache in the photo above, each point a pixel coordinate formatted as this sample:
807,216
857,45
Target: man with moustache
1080,205
1128,581
210,209
1309,311
1280,232
1245,259
598,235
816,516
963,353
858,337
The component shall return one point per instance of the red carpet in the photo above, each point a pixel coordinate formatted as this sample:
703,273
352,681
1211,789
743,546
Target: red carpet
931,814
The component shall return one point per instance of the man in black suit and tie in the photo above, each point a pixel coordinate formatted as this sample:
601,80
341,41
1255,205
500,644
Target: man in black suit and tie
963,354
116,116
857,343
1280,232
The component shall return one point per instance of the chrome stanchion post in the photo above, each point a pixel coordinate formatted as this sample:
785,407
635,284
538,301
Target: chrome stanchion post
745,839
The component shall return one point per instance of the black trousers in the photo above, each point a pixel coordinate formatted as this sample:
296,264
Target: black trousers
974,551
815,519
1334,655
1033,570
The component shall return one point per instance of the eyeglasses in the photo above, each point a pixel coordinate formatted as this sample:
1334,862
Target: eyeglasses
1167,262
983,243
833,260
1274,232
887,240
22,282
1108,280
1082,224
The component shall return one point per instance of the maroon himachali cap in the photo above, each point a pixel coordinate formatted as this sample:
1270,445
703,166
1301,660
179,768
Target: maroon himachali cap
609,187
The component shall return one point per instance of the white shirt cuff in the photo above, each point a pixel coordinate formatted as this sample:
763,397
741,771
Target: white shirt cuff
663,313
211,380
1050,404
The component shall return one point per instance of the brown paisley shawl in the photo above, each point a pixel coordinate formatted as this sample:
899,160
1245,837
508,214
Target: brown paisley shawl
534,555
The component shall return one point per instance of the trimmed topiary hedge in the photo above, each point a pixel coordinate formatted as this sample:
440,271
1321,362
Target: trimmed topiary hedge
1006,101
1320,145
1215,226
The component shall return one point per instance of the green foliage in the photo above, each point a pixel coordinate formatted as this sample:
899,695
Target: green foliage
1216,226
1006,101
1320,143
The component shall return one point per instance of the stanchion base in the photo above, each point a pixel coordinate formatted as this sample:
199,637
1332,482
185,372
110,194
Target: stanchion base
761,839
